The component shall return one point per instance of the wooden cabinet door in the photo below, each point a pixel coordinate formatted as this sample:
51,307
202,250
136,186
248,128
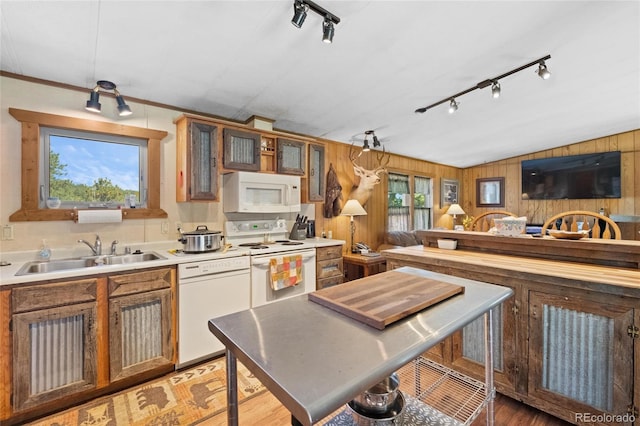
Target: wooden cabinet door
241,150
291,157
315,183
204,162
196,160
140,336
580,352
54,354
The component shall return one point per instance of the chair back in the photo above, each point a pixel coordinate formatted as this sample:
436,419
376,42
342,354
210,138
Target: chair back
484,222
581,220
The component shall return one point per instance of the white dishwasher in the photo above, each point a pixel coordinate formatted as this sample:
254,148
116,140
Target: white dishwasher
208,289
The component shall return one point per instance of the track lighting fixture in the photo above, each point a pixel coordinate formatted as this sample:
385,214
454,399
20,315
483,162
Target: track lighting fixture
543,72
376,142
93,104
300,9
299,13
453,106
495,90
365,145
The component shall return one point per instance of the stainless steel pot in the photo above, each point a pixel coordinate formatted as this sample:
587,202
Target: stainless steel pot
380,398
394,416
201,240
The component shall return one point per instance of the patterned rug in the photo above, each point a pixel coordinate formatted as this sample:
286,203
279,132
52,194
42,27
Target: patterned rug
185,398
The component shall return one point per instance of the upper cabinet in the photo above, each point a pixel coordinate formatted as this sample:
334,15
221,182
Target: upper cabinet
196,160
291,157
241,150
315,173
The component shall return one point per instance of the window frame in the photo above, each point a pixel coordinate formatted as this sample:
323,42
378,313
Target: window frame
44,171
411,183
31,122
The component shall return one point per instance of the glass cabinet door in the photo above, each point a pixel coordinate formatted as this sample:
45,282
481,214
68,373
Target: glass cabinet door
316,172
241,150
291,157
204,164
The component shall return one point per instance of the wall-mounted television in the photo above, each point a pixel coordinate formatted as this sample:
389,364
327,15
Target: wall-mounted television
572,177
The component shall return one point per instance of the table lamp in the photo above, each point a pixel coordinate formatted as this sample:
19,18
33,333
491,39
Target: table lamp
353,208
455,209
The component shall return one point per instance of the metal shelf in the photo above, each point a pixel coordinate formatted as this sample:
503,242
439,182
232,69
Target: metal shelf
434,395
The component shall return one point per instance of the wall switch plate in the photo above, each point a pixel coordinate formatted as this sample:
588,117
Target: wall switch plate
7,232
164,227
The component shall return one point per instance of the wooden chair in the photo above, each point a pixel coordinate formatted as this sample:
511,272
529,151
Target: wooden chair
484,222
591,221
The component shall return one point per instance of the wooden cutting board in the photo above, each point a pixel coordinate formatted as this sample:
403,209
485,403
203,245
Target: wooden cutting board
379,300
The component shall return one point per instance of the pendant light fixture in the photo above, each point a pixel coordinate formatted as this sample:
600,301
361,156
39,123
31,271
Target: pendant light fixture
300,9
542,71
93,104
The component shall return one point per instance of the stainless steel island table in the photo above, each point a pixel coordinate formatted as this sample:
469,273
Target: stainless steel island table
315,360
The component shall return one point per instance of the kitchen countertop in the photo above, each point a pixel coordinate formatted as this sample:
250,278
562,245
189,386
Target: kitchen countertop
8,275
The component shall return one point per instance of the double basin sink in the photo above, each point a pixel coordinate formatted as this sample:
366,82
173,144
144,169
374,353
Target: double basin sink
37,267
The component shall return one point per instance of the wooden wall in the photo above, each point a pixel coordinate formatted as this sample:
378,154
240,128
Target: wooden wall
538,210
371,228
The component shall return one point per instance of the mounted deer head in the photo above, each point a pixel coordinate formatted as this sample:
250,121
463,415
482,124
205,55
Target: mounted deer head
368,178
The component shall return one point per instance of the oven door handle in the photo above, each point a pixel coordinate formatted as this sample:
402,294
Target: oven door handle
264,261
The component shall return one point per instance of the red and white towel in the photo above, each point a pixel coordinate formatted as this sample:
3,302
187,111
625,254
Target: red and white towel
285,271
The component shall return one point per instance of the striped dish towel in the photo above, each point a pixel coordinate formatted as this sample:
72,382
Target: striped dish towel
286,271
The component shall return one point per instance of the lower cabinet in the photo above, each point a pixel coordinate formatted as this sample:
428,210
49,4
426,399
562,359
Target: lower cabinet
140,334
74,340
329,267
54,347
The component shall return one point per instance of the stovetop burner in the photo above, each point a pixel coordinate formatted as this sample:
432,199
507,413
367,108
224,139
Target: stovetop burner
291,243
252,245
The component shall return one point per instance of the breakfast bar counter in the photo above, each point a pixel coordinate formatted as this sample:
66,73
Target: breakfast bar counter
570,334
315,360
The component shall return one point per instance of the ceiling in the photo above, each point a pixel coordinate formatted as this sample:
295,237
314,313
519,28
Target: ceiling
236,59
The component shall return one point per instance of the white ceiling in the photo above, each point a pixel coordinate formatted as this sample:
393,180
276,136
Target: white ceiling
241,58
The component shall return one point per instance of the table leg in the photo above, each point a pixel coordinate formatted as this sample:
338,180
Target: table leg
232,389
295,422
488,365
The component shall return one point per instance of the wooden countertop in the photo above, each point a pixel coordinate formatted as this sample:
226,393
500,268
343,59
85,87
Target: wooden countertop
600,277
618,253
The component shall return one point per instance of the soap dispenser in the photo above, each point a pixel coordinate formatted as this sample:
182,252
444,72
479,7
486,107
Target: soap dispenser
44,255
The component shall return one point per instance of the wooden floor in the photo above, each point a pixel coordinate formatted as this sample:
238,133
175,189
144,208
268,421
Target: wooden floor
266,410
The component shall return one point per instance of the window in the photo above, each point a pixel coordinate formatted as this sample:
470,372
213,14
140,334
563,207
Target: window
32,169
86,169
409,206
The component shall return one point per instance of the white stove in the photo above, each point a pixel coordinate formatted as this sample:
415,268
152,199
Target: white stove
268,243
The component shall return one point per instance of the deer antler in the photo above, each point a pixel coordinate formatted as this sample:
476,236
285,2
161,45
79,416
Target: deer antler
352,156
380,157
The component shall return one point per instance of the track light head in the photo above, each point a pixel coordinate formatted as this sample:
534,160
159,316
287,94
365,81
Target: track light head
327,30
93,103
453,106
543,72
376,141
299,13
123,108
365,145
495,90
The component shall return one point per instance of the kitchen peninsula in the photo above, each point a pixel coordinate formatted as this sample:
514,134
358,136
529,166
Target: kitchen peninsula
567,338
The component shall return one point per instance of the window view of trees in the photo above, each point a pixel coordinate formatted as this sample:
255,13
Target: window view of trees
102,190
408,208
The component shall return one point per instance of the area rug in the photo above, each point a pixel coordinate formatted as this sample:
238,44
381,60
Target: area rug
185,398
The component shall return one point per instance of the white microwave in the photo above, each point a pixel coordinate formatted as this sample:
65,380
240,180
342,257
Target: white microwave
250,192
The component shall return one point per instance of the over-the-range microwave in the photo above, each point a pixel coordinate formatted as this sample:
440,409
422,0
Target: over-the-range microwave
252,192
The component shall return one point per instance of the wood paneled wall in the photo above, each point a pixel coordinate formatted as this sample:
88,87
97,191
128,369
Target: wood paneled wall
537,211
372,227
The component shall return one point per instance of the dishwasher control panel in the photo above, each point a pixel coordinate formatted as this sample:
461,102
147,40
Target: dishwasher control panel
209,267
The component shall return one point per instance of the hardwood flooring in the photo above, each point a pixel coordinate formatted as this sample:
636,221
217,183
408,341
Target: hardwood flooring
266,410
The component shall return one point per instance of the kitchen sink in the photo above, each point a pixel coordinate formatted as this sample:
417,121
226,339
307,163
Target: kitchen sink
37,267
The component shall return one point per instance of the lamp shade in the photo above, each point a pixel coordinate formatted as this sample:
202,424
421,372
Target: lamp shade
455,209
353,208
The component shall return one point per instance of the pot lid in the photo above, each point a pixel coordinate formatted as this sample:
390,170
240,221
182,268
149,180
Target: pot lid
202,230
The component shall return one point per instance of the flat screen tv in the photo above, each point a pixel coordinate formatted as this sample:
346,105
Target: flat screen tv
572,177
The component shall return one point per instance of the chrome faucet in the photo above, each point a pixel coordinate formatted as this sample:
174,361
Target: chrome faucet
96,248
113,247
